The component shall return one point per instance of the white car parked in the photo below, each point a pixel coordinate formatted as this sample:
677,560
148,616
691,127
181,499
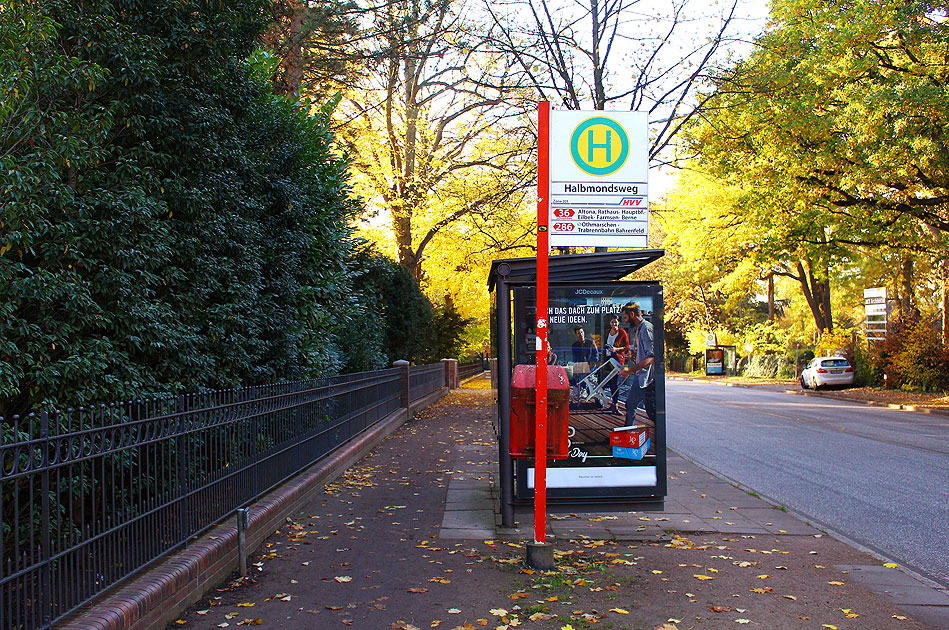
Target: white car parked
823,371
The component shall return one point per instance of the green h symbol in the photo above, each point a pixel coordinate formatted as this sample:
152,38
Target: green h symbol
608,145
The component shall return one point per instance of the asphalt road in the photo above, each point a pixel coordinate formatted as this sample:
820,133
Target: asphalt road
880,477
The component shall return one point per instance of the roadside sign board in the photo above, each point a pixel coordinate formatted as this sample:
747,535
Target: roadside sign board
874,301
598,179
874,306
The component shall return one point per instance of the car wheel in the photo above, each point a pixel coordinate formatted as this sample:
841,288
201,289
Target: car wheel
803,382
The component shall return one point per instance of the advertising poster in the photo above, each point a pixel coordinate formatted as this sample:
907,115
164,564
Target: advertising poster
607,339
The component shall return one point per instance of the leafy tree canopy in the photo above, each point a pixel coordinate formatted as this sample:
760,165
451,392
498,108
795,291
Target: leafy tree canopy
168,222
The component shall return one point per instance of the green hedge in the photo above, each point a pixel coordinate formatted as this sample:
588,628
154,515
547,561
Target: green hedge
167,222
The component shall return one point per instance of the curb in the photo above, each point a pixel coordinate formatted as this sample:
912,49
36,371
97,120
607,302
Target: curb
799,392
872,403
817,524
473,377
155,597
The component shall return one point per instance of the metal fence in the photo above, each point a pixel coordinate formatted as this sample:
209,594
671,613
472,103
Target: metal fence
470,368
91,495
425,379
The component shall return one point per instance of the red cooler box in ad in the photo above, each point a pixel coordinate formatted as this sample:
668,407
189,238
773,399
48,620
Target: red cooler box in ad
523,414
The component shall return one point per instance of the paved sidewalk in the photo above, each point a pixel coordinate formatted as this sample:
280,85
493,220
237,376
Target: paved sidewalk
408,539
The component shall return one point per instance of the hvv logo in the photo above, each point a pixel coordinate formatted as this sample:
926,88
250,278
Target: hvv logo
599,146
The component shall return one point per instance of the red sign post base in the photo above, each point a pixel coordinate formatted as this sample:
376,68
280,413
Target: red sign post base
540,556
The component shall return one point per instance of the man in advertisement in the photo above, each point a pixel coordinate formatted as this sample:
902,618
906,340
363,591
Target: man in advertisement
643,386
584,350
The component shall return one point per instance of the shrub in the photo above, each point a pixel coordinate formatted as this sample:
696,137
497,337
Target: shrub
768,366
766,338
868,366
914,356
167,222
682,361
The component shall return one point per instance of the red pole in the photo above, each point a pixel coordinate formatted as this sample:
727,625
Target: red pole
540,455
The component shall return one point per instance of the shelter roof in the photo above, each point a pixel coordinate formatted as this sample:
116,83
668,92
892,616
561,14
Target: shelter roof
578,268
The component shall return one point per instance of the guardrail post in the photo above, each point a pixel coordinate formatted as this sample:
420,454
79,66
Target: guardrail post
242,540
46,612
404,391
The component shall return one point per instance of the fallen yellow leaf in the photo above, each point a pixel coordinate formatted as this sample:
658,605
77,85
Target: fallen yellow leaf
828,626
699,576
890,565
836,583
246,604
619,610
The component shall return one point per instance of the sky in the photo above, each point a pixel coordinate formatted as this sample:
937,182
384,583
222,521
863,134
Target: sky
753,16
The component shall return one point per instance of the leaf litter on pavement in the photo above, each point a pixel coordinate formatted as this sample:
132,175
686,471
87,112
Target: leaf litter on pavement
595,581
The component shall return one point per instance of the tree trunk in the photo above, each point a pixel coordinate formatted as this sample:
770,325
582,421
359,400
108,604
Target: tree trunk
294,75
944,299
408,257
824,286
817,293
402,226
599,91
908,308
771,297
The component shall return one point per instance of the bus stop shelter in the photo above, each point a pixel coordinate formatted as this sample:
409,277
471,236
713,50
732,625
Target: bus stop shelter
586,290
